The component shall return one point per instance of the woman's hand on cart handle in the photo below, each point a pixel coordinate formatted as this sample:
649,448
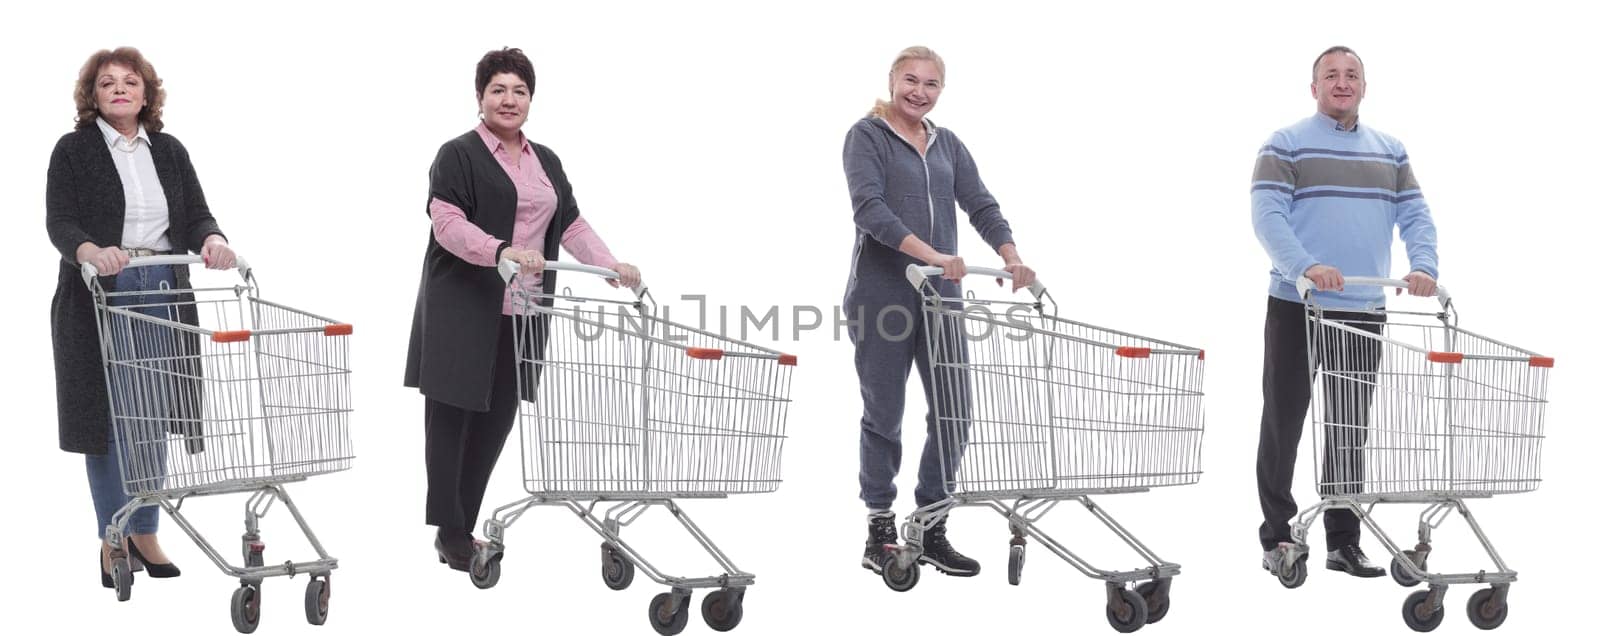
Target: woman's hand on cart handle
1021,276
627,276
954,268
216,253
1326,277
1419,284
105,261
530,261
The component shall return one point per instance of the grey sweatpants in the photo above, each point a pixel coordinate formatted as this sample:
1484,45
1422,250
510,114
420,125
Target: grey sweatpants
886,348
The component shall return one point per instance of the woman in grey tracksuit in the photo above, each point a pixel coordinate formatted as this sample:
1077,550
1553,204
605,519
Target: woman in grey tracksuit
906,177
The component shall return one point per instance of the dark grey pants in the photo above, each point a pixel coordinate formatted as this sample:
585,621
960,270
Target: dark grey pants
1286,396
886,349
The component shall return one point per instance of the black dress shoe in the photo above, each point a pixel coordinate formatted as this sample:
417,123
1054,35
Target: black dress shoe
455,549
154,570
1352,560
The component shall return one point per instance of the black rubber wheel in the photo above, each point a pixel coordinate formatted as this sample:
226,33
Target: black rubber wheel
666,623
1398,573
615,569
317,593
723,609
1296,574
898,578
1415,613
122,578
1156,600
1132,613
1484,612
1019,554
246,608
485,570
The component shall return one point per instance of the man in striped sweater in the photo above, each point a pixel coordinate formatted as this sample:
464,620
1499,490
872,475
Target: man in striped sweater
1326,197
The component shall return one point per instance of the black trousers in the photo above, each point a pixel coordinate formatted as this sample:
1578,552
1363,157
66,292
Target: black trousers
462,446
1349,363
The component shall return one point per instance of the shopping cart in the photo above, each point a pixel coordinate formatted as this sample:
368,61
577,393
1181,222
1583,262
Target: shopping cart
628,409
1033,410
1410,408
216,391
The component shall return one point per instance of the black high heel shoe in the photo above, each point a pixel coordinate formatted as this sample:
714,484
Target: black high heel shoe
154,570
105,577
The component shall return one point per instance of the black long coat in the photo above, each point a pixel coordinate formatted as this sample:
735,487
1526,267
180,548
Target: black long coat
84,202
455,327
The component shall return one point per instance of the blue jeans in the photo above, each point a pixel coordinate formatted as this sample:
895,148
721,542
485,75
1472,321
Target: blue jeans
138,399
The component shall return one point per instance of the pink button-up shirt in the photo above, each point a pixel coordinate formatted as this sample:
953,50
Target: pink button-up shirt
536,206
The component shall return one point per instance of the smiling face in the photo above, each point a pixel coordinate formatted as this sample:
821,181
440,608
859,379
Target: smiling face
119,94
914,88
504,103
1338,85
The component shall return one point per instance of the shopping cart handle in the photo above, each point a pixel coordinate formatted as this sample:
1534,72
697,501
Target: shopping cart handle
239,264
1305,286
918,274
509,269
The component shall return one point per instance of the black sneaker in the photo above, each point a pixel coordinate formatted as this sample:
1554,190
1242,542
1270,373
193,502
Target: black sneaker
938,553
1352,560
880,533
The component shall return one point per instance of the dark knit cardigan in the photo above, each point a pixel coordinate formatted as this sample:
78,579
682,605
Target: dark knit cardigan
84,203
455,327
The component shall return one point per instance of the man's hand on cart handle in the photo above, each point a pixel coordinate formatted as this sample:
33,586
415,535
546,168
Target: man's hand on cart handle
627,276
107,261
531,261
1326,278
1419,284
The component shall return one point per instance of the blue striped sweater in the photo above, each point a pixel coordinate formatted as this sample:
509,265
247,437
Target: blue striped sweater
1325,195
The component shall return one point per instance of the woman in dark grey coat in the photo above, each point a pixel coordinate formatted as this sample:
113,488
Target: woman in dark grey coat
118,187
906,178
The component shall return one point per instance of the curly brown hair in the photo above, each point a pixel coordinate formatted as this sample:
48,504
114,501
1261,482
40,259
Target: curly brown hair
155,96
506,60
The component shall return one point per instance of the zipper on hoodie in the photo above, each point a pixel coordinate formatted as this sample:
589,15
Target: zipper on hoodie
927,177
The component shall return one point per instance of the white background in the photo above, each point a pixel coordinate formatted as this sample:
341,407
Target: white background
704,144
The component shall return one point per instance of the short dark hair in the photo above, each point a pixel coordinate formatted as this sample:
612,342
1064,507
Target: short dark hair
506,60
1336,49
83,92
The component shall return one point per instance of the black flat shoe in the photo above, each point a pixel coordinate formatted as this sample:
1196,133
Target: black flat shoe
154,570
458,557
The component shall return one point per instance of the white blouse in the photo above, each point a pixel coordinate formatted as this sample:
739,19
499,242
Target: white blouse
145,221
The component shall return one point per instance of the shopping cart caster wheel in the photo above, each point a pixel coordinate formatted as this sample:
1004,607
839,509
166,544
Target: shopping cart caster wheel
317,593
1398,573
485,570
1157,596
723,609
1014,565
665,621
246,608
615,569
122,578
1295,575
900,578
1419,616
1128,613
1485,611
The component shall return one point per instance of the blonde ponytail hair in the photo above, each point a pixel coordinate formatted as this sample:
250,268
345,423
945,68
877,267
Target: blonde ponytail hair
881,107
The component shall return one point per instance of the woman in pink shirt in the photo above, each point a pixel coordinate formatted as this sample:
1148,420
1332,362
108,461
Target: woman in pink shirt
493,195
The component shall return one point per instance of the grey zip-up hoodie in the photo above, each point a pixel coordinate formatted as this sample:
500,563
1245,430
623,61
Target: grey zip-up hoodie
896,192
